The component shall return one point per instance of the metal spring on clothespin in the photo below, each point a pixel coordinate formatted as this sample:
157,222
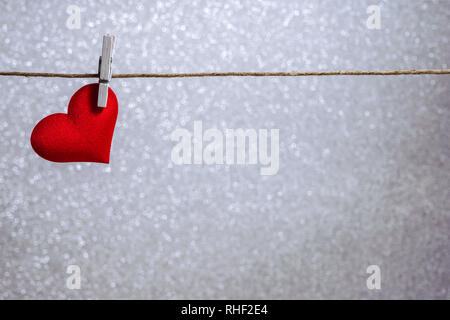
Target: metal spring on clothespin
105,69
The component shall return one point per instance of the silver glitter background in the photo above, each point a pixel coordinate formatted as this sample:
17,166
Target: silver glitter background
364,161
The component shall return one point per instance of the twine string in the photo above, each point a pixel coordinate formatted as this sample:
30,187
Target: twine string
232,74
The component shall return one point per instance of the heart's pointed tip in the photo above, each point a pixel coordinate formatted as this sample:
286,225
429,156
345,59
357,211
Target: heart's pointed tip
105,158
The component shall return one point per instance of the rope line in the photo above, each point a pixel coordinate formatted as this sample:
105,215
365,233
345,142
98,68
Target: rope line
232,74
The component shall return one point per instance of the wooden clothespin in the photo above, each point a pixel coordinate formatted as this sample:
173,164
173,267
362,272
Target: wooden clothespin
105,69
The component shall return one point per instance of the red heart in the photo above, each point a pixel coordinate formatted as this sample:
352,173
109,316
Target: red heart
84,134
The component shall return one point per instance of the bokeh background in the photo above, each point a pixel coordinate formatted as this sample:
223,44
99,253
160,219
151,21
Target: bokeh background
364,161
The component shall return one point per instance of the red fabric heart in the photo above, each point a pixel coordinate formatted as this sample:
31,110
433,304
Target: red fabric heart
84,134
